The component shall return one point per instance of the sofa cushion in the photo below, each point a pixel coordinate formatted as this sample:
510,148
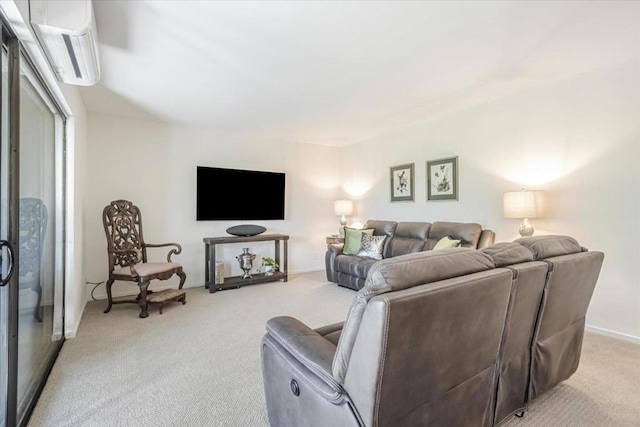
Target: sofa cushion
381,228
468,233
354,265
371,246
353,240
446,242
549,246
409,237
505,253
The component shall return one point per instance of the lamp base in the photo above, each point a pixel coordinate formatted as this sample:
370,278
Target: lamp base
343,223
526,229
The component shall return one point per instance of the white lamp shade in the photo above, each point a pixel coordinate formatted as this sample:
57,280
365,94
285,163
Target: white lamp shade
523,204
343,207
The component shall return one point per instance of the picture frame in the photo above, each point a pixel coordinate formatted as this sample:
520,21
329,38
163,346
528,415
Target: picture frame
402,183
442,179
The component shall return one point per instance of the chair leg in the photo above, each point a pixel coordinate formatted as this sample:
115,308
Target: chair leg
183,277
143,299
38,311
108,286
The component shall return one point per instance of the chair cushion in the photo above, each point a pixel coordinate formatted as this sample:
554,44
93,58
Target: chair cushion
147,268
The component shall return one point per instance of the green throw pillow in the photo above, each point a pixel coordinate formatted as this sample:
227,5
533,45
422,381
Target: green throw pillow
446,242
353,240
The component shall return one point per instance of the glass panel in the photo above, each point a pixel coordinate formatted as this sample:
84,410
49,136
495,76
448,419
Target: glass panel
38,219
4,155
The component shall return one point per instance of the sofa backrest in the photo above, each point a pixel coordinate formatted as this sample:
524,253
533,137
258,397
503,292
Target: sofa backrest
409,334
382,228
468,233
557,342
409,238
515,354
399,273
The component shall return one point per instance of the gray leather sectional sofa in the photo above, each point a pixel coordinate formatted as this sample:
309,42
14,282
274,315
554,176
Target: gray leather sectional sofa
454,337
402,238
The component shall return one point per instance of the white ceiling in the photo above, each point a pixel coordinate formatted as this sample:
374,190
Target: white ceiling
339,72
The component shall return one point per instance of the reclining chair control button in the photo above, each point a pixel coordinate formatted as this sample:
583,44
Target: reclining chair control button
295,389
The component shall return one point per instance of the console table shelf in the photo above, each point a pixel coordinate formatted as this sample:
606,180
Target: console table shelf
237,281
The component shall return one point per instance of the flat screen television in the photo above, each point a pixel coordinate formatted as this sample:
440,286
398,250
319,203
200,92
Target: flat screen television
233,194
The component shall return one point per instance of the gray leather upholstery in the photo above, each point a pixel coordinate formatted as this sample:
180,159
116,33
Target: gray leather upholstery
450,337
381,228
571,279
331,332
529,278
505,253
408,238
550,246
402,238
400,273
469,234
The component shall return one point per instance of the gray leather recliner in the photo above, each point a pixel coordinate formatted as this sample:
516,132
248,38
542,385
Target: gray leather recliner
438,338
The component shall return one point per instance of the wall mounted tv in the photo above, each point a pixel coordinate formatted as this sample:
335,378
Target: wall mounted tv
233,194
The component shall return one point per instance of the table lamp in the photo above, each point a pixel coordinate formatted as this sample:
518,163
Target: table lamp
523,204
343,207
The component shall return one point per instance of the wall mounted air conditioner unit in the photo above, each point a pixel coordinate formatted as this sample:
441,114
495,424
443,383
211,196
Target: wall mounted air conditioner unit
66,31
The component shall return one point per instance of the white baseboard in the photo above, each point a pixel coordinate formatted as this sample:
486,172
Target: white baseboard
71,333
613,334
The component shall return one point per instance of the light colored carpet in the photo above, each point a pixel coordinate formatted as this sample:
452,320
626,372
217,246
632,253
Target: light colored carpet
199,364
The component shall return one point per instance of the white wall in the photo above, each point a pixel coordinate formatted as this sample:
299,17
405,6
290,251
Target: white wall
578,139
154,164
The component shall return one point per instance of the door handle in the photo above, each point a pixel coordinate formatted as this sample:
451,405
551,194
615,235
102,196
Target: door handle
4,243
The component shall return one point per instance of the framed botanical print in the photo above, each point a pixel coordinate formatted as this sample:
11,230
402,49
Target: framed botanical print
442,179
402,183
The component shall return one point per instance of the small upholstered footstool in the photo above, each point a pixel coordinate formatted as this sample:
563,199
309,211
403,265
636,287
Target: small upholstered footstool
167,295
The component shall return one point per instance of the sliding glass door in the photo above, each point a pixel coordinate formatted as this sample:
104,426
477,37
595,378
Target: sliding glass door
32,212
41,263
6,261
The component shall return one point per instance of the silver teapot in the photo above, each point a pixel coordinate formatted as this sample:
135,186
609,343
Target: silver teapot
246,262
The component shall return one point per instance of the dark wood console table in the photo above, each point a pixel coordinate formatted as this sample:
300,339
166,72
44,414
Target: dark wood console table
237,281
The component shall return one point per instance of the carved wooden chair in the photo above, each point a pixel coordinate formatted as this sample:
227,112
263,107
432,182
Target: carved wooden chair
128,255
33,227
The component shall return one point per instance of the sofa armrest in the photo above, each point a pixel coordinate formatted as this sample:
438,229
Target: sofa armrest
305,345
333,250
487,238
